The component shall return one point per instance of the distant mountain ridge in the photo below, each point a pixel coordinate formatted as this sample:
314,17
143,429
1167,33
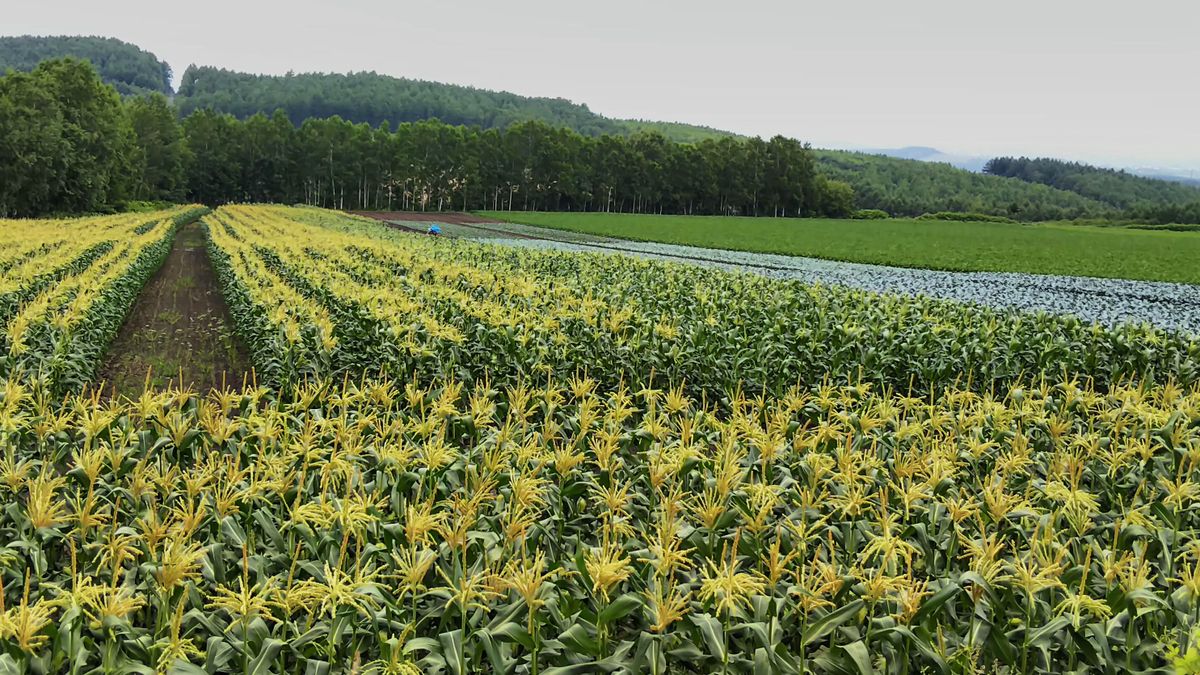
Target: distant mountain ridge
923,153
977,163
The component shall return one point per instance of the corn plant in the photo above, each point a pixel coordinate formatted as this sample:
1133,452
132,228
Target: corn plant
553,527
463,459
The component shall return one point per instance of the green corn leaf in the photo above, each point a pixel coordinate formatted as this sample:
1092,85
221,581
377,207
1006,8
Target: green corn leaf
828,623
1042,636
261,664
935,602
452,650
577,638
619,608
859,656
713,634
514,632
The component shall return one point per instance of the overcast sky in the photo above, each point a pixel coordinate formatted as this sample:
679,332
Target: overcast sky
1106,81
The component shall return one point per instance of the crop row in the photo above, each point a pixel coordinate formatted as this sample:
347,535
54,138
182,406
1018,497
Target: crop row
1110,302
381,301
555,527
66,286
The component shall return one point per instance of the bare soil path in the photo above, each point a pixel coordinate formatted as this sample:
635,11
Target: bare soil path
179,331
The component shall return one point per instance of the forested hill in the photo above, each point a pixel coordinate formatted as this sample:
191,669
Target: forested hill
375,99
1117,188
128,68
677,131
909,187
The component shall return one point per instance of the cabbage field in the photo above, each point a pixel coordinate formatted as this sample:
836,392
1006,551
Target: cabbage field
456,457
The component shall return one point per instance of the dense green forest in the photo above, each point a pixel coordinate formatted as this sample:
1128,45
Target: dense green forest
375,99
1120,189
132,70
67,143
677,131
906,187
71,144
1164,214
527,166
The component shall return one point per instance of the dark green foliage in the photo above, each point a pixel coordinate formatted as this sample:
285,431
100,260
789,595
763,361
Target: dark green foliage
905,187
961,217
1168,214
132,70
870,214
678,131
66,144
375,99
1116,188
213,143
330,142
161,154
31,142
530,166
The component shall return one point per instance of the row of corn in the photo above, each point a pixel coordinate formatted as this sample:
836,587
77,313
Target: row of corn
66,286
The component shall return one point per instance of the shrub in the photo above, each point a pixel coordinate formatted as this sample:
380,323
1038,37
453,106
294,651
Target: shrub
965,217
870,214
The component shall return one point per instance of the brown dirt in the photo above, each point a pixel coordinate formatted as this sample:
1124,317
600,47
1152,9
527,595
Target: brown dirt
179,331
448,217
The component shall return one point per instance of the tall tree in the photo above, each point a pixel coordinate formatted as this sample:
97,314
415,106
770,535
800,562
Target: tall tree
162,153
67,143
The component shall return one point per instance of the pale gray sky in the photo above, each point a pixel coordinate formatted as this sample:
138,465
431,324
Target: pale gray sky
1099,80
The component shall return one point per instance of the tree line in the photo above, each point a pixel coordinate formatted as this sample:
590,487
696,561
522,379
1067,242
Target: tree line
1165,214
70,144
431,165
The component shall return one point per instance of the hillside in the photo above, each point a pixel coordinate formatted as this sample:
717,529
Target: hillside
678,131
129,68
909,187
1120,189
927,154
374,98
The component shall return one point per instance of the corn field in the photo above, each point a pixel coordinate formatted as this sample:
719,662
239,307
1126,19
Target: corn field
468,459
65,287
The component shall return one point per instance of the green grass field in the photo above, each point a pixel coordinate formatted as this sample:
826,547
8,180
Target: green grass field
990,247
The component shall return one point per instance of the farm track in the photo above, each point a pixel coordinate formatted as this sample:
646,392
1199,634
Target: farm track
179,332
450,217
1172,306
